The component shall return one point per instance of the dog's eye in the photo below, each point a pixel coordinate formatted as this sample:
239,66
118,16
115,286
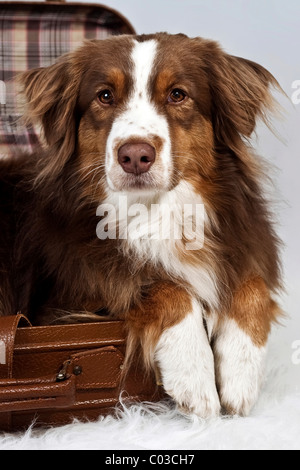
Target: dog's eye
106,97
177,96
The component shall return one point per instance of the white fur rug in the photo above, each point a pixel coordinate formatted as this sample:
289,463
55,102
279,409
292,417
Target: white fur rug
273,424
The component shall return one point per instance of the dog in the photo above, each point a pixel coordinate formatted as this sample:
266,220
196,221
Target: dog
131,124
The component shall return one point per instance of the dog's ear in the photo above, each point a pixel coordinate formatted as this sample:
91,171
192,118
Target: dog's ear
51,96
240,91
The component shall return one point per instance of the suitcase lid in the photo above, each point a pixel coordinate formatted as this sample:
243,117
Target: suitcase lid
34,34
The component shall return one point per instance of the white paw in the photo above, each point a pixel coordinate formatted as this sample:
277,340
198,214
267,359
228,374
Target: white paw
186,364
194,395
238,404
239,388
240,366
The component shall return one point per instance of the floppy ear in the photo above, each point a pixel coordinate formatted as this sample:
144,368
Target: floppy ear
240,92
51,95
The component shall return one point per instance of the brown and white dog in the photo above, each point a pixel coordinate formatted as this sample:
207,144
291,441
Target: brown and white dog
154,121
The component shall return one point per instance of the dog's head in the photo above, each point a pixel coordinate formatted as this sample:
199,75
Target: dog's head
141,113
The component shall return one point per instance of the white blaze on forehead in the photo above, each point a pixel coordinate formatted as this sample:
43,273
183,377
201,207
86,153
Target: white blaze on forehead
143,56
140,118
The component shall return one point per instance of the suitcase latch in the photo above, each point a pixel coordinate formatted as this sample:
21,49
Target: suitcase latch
62,374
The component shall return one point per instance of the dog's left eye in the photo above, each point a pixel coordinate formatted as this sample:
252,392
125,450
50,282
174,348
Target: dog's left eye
177,96
106,97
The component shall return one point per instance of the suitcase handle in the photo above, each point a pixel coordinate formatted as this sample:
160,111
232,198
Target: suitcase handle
8,328
30,394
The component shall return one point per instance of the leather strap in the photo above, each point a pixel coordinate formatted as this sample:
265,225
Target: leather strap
21,395
93,369
8,328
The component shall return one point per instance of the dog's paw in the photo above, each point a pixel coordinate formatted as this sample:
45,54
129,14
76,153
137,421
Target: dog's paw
194,396
186,363
239,369
238,398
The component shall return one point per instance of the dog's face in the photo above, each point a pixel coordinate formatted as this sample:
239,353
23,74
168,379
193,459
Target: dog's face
141,113
139,109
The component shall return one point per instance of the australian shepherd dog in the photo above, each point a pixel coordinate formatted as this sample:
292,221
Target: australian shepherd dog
145,203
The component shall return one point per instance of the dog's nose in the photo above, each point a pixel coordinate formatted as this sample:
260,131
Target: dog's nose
136,158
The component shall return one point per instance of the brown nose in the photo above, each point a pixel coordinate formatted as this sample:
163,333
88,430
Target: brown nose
136,158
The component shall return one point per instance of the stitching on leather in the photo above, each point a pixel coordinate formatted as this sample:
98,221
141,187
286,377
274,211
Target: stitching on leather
57,345
101,353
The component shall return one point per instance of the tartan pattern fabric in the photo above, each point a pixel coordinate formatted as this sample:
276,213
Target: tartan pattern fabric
35,35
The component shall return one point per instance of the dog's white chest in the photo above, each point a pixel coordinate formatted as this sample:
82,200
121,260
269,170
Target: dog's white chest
161,230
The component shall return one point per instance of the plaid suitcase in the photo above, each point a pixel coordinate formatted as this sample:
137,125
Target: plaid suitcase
35,35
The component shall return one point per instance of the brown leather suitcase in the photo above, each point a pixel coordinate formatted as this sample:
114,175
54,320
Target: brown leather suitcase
52,374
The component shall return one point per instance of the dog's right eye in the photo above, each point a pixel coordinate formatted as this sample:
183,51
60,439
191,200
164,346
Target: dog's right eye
177,96
106,97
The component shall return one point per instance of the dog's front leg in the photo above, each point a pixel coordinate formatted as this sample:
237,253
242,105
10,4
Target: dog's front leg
186,362
240,346
239,368
174,339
